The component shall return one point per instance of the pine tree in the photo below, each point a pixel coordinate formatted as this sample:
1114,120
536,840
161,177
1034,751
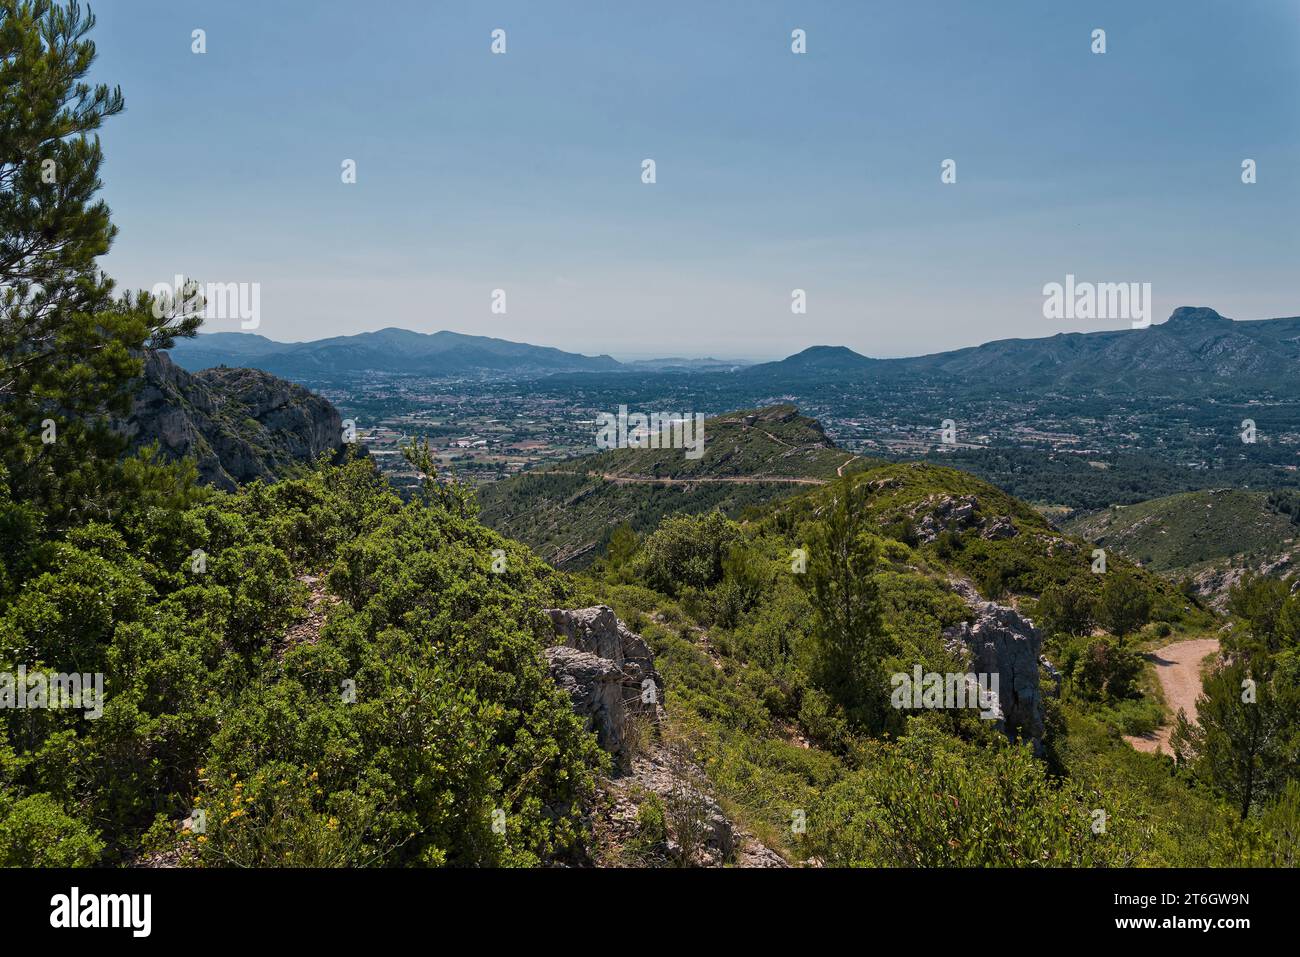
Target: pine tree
1244,739
1124,605
70,347
850,637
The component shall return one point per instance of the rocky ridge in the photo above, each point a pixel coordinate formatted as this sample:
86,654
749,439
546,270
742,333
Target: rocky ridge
238,424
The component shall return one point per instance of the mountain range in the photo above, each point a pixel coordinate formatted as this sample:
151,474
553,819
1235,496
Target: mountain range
1195,346
391,350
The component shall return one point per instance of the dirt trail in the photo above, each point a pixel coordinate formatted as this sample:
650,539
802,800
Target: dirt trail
620,479
1178,667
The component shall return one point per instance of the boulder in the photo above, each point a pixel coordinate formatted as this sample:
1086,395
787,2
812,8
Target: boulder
1001,641
609,674
595,686
608,671
997,528
943,513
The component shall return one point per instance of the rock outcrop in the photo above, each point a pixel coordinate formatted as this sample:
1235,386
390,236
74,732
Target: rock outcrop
238,424
1001,641
1213,584
937,514
944,513
608,671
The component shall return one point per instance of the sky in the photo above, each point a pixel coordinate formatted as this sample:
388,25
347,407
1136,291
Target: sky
775,171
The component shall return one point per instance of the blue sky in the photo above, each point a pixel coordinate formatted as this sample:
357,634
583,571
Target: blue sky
775,171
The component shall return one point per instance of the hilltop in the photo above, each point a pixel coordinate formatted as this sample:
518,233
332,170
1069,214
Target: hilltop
567,511
237,424
772,467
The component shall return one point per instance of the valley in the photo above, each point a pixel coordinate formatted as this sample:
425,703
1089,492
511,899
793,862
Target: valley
618,442
1105,428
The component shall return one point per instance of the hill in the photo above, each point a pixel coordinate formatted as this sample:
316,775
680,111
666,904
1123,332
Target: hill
567,511
1178,531
1212,536
391,350
813,361
772,466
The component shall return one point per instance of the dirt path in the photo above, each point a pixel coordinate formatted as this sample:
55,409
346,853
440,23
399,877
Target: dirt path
619,479
840,471
1178,666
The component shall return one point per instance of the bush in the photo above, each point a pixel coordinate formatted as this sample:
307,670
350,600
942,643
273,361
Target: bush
36,832
687,551
928,801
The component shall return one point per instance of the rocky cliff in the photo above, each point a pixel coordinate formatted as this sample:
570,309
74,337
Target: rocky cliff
608,671
238,424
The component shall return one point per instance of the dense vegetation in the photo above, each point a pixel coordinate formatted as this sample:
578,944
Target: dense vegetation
388,736
785,702
416,725
318,672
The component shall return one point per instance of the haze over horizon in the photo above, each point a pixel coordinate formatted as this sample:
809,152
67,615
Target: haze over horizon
775,171
631,356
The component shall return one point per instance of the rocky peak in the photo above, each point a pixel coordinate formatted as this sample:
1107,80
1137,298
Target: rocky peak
1184,314
238,424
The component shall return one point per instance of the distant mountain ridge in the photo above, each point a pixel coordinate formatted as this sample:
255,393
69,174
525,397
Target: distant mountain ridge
1196,346
390,350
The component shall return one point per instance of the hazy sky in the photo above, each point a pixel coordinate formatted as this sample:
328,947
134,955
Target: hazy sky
775,171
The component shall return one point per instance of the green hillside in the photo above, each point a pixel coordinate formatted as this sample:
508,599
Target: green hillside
971,529
1177,532
314,671
568,511
752,685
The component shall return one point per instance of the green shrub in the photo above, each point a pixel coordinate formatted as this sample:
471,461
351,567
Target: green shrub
928,801
35,831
